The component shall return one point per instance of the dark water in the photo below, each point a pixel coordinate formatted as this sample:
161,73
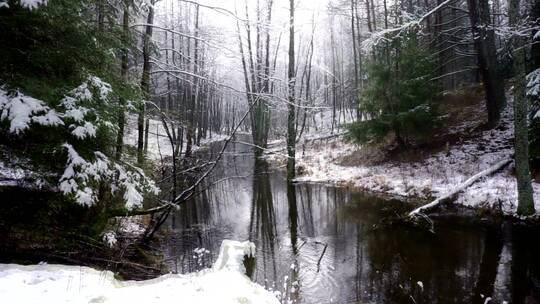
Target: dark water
319,244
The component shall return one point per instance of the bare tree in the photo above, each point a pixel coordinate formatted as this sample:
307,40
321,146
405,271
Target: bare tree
291,120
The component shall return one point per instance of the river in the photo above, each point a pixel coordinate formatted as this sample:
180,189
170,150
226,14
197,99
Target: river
322,244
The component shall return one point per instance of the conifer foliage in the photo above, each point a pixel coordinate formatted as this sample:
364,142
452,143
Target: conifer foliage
398,97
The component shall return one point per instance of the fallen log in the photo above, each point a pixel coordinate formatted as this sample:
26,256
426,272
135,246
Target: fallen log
422,209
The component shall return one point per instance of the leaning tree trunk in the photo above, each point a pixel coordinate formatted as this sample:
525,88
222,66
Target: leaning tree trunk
291,128
521,141
484,42
145,83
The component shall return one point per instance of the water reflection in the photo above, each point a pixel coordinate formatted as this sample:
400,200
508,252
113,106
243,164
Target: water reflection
262,223
318,244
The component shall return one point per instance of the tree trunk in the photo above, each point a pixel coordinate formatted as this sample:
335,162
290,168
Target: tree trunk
355,60
124,74
535,51
291,130
521,142
484,42
145,83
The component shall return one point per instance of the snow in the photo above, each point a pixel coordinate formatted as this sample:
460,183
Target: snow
231,255
80,174
84,131
30,4
109,238
159,144
75,110
426,179
22,111
15,173
73,284
420,284
533,84
33,4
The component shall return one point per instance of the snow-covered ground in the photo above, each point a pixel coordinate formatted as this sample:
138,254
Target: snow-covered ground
432,177
158,142
56,284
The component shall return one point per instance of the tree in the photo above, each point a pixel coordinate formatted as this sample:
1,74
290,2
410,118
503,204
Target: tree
124,76
484,42
145,81
398,97
521,142
291,120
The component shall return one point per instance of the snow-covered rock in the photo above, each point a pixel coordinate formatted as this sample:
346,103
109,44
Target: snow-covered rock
57,284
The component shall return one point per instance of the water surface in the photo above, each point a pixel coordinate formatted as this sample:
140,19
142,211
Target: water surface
321,244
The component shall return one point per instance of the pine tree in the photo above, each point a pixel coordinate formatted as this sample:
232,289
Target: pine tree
398,98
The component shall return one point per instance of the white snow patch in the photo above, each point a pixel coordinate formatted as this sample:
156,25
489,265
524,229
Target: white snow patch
533,83
231,255
79,176
33,4
22,110
30,4
73,284
109,238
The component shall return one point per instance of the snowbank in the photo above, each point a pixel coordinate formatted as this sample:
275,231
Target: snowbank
57,284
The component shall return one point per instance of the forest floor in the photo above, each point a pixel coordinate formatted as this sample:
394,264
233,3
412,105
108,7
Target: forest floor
426,171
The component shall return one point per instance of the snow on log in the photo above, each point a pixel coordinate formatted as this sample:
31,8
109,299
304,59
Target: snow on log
498,166
58,284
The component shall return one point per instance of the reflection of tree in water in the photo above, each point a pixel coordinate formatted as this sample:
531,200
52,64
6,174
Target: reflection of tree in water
305,193
190,226
391,260
262,226
293,287
523,282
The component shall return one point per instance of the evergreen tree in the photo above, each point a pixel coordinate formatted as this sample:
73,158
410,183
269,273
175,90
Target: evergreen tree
60,81
398,98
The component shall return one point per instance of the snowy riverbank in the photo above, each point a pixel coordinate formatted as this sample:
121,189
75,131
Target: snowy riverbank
322,161
224,283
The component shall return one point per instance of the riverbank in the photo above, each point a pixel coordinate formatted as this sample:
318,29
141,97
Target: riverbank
423,173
